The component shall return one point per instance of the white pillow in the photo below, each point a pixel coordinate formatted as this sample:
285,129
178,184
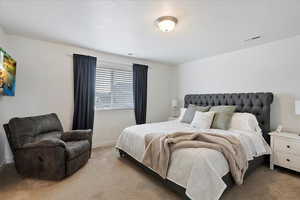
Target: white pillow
182,111
202,120
244,122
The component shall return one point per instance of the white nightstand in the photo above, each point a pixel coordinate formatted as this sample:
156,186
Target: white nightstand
285,150
172,118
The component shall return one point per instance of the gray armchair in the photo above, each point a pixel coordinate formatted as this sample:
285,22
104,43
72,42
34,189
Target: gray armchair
43,150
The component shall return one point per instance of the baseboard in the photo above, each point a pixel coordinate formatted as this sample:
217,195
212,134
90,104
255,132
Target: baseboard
105,144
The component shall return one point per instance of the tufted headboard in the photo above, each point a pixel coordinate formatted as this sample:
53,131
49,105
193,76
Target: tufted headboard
256,103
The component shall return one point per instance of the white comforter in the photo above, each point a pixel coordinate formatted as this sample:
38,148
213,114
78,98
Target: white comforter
200,171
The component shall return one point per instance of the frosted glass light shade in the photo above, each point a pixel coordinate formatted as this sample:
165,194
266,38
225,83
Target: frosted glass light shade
174,103
166,23
297,107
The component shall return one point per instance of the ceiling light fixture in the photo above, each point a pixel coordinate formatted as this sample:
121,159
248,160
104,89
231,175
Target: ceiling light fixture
166,23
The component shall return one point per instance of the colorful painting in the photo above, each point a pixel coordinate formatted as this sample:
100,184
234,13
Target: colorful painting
8,67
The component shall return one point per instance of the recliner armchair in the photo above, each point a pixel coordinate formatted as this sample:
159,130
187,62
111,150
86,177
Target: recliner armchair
43,150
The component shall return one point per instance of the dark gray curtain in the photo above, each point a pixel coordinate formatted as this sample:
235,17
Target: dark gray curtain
140,76
84,91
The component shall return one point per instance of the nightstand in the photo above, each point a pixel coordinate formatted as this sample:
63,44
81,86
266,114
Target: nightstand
172,118
285,150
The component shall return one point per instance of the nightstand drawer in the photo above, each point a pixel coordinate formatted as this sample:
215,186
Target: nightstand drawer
286,146
287,160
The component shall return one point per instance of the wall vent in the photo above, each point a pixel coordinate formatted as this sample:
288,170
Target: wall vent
253,38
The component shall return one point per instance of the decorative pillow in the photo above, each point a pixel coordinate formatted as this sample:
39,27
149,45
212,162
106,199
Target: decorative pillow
190,112
222,120
202,108
202,120
223,109
222,117
244,122
182,111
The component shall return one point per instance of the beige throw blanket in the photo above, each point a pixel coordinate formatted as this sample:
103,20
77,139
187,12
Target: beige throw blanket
159,148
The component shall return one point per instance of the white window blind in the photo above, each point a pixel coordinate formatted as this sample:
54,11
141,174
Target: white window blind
114,88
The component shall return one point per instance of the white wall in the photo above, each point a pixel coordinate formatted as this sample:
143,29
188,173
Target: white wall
5,153
2,38
45,84
273,67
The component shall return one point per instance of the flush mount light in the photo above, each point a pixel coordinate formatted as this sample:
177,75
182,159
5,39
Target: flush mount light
166,23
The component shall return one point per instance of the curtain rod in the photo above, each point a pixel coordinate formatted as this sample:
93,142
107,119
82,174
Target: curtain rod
111,62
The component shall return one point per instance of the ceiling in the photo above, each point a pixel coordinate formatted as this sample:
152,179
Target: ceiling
205,28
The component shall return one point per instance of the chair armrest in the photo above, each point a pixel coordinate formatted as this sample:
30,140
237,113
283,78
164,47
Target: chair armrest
53,142
76,135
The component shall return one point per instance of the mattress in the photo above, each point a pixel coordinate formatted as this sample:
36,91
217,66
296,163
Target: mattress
199,170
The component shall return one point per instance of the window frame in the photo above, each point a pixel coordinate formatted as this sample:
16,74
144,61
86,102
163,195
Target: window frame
116,67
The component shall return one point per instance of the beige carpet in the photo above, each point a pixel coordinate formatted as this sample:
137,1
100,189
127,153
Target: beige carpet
106,177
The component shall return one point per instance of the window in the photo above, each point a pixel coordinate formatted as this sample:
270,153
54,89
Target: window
114,88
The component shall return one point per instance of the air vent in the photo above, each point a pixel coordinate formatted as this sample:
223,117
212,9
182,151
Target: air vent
253,38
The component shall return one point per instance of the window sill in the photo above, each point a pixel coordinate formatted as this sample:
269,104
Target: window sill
104,109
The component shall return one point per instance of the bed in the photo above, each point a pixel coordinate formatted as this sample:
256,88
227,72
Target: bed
189,167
